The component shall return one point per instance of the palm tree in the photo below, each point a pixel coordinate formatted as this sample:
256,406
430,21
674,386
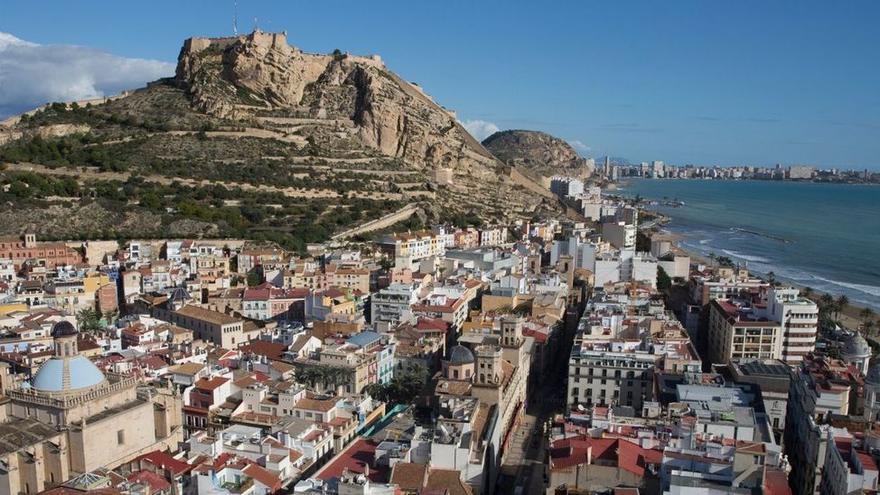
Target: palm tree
868,327
808,291
866,314
771,278
842,302
826,302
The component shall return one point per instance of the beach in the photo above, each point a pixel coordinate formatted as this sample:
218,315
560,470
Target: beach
822,236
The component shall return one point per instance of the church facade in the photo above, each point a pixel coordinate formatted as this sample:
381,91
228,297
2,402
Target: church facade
71,418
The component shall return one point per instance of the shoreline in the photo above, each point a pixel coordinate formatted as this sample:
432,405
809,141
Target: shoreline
624,180
772,248
849,315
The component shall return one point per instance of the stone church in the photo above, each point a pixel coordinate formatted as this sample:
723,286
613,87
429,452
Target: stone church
71,418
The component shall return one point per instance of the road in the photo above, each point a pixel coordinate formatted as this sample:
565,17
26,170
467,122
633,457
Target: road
525,463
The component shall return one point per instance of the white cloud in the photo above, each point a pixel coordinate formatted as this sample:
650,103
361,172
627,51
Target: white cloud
480,129
579,145
32,74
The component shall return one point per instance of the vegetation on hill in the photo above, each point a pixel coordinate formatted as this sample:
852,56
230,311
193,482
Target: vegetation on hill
294,152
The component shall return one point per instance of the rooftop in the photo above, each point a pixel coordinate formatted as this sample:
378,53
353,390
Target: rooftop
21,433
208,315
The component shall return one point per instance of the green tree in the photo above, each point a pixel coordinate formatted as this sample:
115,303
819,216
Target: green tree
403,388
866,314
88,320
386,264
664,283
254,278
643,242
841,304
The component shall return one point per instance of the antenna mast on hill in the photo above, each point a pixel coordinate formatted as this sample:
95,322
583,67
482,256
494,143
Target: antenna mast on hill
235,17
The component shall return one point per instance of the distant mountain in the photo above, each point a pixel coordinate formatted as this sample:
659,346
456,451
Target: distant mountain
536,151
617,160
326,140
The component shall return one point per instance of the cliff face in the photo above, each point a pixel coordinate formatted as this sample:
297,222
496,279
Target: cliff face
536,151
241,76
259,139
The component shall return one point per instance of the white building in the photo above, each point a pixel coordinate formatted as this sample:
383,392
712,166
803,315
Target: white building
393,304
566,186
799,318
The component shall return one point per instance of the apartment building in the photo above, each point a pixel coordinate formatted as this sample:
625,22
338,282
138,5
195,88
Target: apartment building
410,248
799,318
738,333
393,303
611,373
818,387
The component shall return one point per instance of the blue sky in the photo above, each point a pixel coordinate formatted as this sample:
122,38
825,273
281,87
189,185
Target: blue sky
686,82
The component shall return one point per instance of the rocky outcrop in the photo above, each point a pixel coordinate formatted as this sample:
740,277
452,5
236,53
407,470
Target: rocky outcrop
228,77
48,131
537,152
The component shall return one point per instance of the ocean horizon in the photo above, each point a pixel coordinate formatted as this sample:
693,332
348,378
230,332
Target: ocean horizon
823,236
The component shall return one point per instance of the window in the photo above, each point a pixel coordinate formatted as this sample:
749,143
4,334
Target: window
120,437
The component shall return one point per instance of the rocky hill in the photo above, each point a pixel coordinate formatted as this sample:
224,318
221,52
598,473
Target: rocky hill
536,151
254,137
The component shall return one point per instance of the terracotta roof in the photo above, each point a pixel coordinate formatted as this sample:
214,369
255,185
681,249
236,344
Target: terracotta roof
312,404
153,362
453,387
157,483
165,461
409,476
208,315
187,368
776,482
263,476
272,350
431,324
361,453
210,383
449,480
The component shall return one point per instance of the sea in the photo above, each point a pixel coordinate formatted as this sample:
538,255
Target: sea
823,236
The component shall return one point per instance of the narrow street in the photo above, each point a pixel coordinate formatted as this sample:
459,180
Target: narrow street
525,464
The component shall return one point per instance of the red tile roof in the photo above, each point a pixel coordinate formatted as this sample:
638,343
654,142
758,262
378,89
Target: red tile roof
776,482
272,350
164,460
626,455
210,383
157,483
360,454
263,476
432,324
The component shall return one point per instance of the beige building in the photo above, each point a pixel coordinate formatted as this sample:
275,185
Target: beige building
218,328
732,335
71,419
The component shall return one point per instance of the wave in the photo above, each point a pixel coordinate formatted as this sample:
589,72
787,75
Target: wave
737,254
871,290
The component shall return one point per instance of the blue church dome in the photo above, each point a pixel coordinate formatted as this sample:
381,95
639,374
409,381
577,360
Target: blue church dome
67,374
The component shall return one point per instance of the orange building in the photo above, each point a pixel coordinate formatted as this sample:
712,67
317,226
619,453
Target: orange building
49,254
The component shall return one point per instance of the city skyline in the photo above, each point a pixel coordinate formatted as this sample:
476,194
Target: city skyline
742,85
